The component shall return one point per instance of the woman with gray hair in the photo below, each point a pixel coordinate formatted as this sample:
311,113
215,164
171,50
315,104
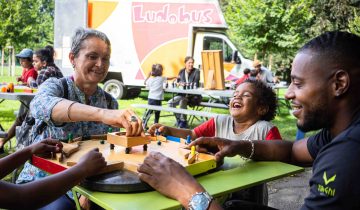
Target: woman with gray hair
76,106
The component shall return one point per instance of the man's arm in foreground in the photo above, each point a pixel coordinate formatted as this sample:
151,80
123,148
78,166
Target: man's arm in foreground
281,150
161,172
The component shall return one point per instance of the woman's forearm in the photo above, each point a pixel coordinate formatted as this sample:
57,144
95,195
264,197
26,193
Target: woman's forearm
71,111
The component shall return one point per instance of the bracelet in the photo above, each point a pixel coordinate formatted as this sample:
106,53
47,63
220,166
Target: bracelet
68,110
252,151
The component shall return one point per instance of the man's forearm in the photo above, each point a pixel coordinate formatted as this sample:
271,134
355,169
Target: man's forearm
274,150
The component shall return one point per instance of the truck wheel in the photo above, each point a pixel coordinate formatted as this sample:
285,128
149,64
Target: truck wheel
116,88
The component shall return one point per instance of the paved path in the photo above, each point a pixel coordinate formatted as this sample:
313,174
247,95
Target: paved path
289,193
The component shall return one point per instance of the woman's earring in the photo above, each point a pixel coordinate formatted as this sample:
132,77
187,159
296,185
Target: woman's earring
73,65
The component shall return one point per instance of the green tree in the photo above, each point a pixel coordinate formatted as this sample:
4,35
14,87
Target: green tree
268,26
26,23
333,15
354,25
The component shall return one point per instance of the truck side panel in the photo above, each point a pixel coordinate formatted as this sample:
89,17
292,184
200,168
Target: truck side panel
143,33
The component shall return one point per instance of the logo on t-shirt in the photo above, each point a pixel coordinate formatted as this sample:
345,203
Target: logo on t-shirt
327,190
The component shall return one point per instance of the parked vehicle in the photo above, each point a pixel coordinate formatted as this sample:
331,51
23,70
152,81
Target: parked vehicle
144,32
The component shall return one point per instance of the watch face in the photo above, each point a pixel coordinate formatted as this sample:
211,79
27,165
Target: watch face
199,202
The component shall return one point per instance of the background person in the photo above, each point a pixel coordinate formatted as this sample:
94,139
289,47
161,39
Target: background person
323,92
43,62
252,107
263,73
244,77
28,73
156,88
39,193
187,75
87,110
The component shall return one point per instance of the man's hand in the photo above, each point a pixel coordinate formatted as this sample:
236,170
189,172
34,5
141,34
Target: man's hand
92,162
224,147
123,119
46,146
168,177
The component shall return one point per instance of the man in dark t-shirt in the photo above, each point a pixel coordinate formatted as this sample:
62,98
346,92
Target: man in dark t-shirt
324,94
334,177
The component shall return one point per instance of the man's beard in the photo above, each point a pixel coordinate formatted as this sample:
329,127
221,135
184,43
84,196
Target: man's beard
315,119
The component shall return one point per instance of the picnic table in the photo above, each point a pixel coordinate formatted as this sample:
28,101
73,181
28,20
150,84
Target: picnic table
201,111
17,95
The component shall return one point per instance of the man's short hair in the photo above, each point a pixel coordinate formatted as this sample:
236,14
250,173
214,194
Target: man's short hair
343,48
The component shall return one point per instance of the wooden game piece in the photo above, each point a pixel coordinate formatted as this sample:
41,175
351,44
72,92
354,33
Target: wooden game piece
159,138
113,166
70,163
145,146
159,142
69,149
119,138
70,138
188,139
102,142
61,158
191,159
192,155
53,156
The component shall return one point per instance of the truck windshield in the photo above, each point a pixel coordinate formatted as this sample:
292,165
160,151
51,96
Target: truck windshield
215,43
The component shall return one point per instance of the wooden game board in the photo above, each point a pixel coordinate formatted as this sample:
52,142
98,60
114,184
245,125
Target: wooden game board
131,161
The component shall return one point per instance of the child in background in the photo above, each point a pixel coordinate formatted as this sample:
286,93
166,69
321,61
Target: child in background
156,89
43,61
244,77
28,73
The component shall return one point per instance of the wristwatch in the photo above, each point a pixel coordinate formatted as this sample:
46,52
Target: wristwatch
200,201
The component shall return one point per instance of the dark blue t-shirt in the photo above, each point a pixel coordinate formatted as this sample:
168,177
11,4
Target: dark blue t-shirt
335,183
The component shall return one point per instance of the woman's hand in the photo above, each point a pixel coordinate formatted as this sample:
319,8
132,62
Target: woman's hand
123,119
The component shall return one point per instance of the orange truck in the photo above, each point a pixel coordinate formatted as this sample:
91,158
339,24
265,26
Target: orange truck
144,32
